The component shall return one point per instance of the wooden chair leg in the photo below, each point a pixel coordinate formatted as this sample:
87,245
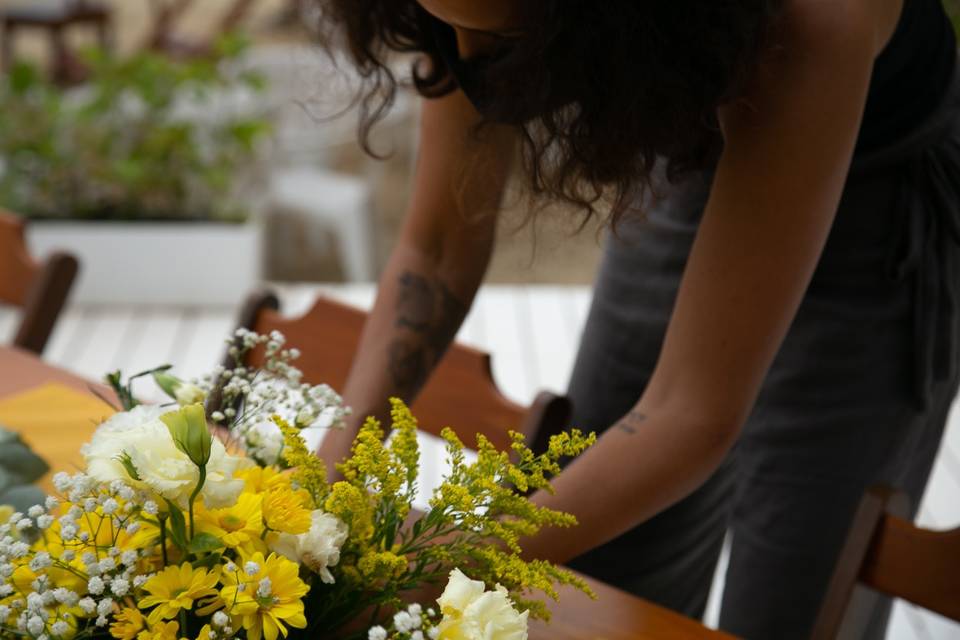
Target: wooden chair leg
6,46
235,15
837,616
105,34
60,63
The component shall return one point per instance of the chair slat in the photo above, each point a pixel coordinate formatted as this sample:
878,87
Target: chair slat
918,565
461,393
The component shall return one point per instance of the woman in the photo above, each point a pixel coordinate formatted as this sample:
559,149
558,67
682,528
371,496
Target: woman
773,328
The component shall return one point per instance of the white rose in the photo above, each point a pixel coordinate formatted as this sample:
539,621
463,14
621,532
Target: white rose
264,441
122,431
471,613
160,466
317,549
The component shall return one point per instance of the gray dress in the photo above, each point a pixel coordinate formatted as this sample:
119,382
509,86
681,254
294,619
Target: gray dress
858,394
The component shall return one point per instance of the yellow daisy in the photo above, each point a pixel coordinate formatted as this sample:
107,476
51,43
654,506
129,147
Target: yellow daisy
100,533
162,631
239,526
176,588
127,624
283,511
265,601
259,479
22,577
207,632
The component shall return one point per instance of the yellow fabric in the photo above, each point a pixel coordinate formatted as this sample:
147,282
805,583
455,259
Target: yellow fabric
54,421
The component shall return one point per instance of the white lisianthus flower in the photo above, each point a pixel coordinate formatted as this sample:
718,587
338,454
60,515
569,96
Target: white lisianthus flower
121,432
470,612
319,548
139,438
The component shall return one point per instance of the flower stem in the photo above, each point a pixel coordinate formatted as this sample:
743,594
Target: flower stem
196,492
163,536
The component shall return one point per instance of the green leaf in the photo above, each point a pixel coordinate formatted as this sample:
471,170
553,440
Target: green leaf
16,458
115,380
231,45
22,497
127,462
178,526
129,170
23,77
255,80
208,561
204,542
246,132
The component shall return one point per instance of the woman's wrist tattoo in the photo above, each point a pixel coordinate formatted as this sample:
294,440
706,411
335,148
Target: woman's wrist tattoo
631,422
428,316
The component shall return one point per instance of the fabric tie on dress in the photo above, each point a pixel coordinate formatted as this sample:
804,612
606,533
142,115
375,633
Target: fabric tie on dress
923,252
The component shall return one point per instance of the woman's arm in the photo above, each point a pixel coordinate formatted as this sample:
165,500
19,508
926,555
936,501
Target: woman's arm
776,190
435,268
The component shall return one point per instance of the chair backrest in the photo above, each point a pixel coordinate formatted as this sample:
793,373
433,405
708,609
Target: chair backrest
162,36
461,393
40,289
887,553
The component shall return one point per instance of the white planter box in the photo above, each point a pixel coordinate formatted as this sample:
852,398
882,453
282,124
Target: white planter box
156,262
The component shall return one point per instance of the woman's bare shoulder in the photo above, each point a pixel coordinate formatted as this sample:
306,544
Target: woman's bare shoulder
820,58
815,37
827,23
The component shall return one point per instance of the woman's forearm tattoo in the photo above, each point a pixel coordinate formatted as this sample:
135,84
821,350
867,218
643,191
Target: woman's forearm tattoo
428,316
631,422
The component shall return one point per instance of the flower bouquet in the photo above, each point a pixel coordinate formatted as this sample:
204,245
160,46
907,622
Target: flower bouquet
173,532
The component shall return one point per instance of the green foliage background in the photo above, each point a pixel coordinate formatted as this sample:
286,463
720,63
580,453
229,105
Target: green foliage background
120,148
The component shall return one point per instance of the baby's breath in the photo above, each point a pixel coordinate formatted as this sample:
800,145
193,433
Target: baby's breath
250,396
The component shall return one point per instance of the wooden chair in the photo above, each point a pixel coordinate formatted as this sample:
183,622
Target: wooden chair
461,393
887,553
40,289
56,20
166,13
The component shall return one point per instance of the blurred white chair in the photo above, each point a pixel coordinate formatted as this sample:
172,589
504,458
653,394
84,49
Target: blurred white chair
340,202
309,97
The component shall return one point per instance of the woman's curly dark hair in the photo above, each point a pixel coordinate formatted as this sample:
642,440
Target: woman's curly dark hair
615,84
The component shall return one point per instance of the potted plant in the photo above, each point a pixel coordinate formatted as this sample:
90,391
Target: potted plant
148,173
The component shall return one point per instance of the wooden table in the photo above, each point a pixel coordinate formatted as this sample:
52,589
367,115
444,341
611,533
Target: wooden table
22,371
615,615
